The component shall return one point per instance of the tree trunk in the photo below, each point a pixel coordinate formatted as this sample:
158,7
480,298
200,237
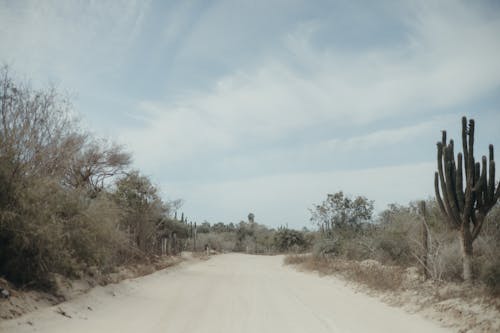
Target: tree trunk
467,252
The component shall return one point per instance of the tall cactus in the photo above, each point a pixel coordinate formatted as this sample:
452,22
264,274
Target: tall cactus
465,209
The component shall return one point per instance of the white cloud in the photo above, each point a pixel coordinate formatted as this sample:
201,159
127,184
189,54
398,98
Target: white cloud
262,104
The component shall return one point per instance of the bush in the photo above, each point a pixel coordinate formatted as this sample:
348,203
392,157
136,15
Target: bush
490,276
487,259
286,240
325,247
221,242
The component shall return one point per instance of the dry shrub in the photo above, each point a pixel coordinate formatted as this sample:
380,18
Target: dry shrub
369,272
374,275
55,230
444,259
488,262
295,259
220,242
96,238
326,246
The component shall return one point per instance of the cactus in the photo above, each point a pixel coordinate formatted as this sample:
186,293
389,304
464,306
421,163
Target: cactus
465,209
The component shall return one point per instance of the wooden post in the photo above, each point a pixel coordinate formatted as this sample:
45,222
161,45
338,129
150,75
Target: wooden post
163,245
425,239
170,243
174,240
194,238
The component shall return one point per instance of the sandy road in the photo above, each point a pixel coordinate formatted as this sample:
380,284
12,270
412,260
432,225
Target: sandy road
228,293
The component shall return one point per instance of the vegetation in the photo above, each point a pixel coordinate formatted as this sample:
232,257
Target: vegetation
393,242
418,234
68,201
251,237
339,214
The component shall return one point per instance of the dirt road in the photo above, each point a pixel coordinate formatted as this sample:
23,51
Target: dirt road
228,293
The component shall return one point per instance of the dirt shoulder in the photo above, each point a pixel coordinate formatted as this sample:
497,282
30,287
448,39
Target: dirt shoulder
23,301
455,305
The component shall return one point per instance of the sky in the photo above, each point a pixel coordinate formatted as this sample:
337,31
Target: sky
268,106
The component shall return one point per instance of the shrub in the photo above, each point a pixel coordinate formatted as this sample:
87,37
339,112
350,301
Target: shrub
287,240
325,247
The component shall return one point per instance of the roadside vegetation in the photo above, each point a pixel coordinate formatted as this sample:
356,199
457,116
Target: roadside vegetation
434,236
249,237
70,204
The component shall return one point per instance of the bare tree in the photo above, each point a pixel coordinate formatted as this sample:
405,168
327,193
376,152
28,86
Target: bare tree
95,163
37,135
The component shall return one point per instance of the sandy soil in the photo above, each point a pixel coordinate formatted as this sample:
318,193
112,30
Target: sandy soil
228,293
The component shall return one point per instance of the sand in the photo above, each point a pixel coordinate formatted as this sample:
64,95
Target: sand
228,293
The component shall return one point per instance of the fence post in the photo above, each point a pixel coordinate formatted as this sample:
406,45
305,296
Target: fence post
194,238
425,239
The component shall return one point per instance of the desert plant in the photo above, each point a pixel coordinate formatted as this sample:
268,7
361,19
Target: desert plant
288,239
465,210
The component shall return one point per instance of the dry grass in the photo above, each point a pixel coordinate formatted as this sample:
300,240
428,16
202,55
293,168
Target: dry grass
368,272
467,308
295,259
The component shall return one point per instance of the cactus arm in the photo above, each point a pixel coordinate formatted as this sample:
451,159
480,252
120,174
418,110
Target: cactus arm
450,188
469,169
470,152
440,201
464,144
479,186
491,180
444,190
459,184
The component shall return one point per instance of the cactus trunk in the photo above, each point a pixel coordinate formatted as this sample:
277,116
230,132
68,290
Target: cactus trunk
467,258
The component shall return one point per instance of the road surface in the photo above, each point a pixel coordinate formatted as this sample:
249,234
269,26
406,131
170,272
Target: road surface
228,293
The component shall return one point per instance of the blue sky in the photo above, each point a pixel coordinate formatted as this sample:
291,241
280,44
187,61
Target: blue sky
267,106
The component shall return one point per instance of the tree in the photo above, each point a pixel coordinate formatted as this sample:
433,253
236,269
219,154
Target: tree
340,213
143,210
287,239
204,228
45,226
96,162
465,210
37,134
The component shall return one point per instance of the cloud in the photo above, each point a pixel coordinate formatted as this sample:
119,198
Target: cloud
310,87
